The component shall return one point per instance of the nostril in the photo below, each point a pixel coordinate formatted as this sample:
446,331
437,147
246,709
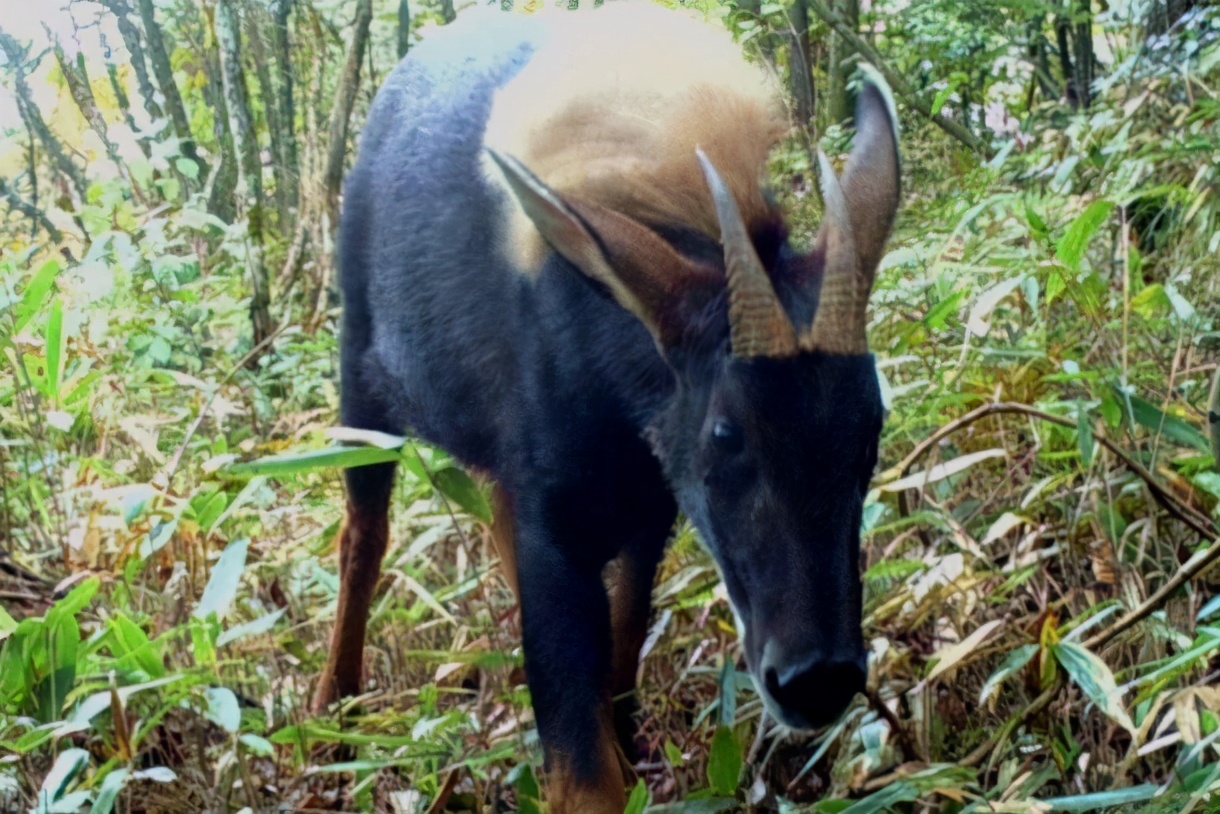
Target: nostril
817,690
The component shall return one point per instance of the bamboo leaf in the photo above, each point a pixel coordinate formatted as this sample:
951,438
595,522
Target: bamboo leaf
1071,247
1093,677
222,585
724,762
941,471
331,457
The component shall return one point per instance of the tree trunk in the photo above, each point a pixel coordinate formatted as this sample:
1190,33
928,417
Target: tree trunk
159,55
448,12
800,69
38,218
404,28
249,172
16,56
262,70
345,99
77,78
838,107
135,47
1084,52
283,56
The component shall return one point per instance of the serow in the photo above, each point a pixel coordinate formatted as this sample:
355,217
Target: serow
559,262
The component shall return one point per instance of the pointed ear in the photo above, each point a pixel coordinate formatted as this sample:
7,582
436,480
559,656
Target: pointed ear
643,273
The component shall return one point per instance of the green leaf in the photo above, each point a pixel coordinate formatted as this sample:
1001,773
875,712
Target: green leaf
1150,301
7,623
109,791
529,795
223,709
1152,418
728,693
55,350
674,755
638,799
67,766
133,647
941,97
884,799
459,487
1071,247
1093,677
330,457
222,585
187,167
724,762
1102,800
258,744
35,293
1013,663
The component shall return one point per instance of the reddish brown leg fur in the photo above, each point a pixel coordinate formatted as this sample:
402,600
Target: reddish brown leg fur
502,533
606,794
362,544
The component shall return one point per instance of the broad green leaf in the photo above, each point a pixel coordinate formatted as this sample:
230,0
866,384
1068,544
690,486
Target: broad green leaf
529,795
1093,677
35,293
222,585
330,457
724,762
1152,418
223,709
109,791
459,487
1013,663
1208,482
67,766
638,799
1071,247
7,623
133,647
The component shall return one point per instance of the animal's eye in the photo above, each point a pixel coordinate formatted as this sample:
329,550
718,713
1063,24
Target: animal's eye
726,435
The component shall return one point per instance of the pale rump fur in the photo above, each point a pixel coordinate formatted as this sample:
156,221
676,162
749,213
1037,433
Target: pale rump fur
612,109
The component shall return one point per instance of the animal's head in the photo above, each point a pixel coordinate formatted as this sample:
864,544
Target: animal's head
769,436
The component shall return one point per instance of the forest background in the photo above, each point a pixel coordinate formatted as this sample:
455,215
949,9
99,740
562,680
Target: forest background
1043,618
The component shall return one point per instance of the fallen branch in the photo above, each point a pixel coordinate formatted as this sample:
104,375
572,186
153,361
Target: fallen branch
899,85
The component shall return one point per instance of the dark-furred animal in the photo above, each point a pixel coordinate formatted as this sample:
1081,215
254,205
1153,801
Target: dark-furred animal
558,262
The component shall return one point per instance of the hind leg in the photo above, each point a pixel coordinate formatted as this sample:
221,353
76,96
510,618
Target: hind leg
362,544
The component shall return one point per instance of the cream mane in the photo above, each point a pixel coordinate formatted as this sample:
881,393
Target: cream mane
612,108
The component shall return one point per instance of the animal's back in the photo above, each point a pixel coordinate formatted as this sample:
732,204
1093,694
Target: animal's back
423,288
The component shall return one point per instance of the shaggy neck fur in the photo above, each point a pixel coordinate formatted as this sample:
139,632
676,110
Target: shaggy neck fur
612,108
